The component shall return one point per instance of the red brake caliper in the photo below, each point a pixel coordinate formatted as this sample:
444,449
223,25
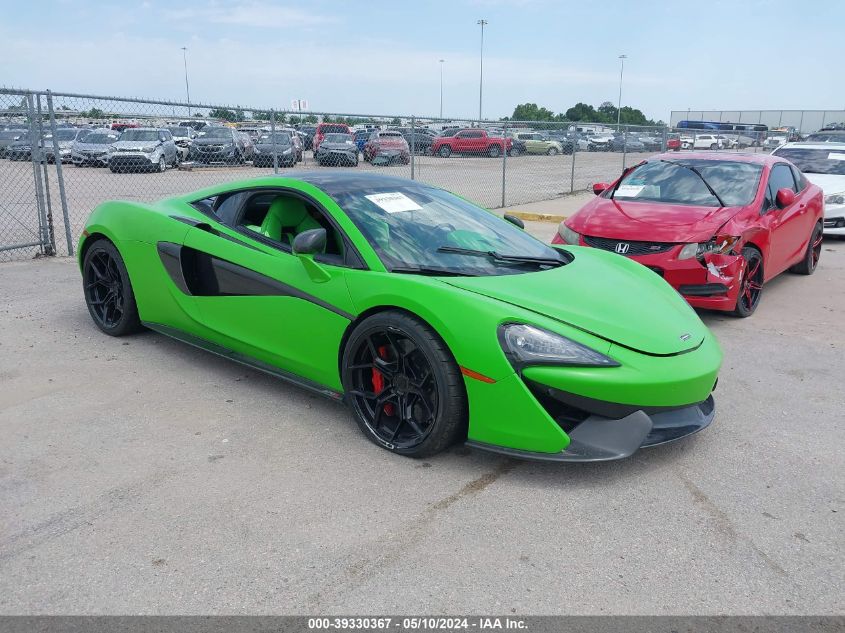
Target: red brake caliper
378,381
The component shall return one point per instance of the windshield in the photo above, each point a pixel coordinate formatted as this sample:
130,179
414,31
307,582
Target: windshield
100,138
139,135
815,161
662,181
280,138
66,135
407,224
337,138
827,137
180,131
217,132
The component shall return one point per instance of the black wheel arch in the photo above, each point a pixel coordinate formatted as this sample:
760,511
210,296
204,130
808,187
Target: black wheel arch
90,239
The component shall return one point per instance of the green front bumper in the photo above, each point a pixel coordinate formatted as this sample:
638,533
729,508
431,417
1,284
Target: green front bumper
508,413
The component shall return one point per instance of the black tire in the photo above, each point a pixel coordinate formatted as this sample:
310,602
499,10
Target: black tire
494,151
811,257
113,169
445,151
751,286
394,362
108,291
514,152
162,164
552,151
713,146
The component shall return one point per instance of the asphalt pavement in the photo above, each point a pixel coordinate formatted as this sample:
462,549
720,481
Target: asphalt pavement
140,475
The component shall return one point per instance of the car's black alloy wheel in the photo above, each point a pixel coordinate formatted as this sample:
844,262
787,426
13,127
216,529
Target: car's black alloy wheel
812,255
404,387
108,292
751,286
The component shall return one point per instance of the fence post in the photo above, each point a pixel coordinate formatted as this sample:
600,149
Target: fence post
273,141
504,161
572,167
51,234
665,139
413,144
624,147
60,174
34,143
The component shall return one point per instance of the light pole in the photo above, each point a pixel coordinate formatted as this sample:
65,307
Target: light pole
483,23
622,58
441,87
187,90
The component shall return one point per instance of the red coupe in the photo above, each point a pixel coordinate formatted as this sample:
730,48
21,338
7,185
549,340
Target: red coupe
715,226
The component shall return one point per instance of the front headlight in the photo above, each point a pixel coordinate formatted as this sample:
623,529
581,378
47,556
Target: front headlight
568,235
721,244
530,345
149,149
835,198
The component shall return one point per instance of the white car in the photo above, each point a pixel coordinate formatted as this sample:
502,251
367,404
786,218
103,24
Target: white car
824,165
600,142
775,140
707,141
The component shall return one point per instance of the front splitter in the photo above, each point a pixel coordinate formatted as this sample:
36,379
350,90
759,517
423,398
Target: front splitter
600,439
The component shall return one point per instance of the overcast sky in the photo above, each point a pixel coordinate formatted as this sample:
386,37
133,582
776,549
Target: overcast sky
378,56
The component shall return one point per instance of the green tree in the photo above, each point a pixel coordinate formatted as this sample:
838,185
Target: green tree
582,112
608,112
531,112
93,113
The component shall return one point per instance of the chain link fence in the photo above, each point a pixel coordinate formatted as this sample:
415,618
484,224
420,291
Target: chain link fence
62,154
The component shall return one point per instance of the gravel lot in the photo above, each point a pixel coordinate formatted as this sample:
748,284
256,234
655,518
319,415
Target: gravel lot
140,475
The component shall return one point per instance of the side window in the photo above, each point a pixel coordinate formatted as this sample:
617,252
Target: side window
800,181
279,217
462,135
206,205
164,136
780,178
475,134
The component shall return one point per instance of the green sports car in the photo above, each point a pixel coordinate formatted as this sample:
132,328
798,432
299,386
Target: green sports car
434,320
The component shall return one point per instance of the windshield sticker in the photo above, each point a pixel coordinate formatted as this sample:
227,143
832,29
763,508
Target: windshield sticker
629,191
836,156
395,202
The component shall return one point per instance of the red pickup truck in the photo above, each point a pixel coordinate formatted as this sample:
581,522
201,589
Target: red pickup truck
470,141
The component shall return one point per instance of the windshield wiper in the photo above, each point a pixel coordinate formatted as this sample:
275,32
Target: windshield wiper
428,270
520,259
697,173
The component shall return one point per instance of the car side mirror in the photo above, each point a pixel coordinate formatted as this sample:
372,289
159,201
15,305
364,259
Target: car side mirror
310,242
784,198
600,187
305,246
515,221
